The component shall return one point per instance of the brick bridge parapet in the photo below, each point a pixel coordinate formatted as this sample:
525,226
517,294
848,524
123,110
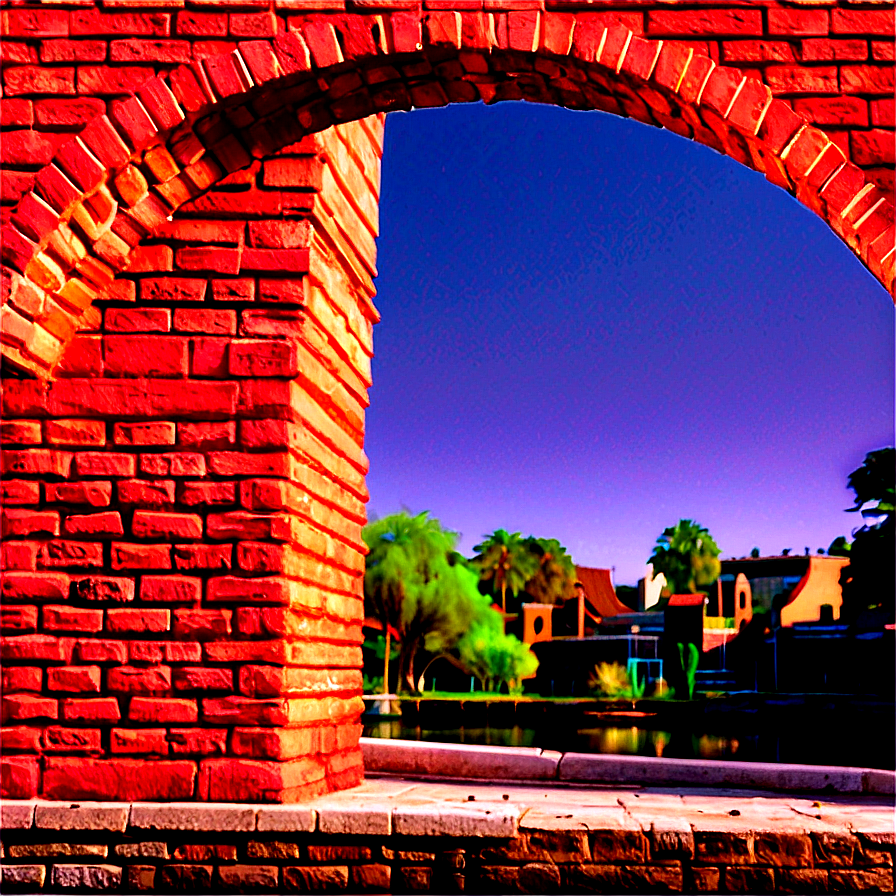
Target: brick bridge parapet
190,194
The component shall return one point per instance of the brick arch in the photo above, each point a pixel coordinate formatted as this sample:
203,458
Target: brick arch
183,502
183,132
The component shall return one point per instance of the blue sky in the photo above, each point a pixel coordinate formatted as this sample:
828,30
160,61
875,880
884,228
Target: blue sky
593,328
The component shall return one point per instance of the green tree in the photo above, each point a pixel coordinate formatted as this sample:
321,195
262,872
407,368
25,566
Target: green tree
494,657
504,561
687,556
870,578
839,547
416,582
555,576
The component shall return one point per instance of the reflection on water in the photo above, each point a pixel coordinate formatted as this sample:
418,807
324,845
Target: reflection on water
632,740
819,737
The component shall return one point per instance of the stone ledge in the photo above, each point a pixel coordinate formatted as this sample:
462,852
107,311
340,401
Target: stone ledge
411,757
424,759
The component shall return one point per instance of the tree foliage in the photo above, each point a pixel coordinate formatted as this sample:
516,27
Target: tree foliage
870,578
555,577
416,583
687,556
493,657
874,485
505,563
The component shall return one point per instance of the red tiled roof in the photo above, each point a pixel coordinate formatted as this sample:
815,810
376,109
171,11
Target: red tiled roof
600,596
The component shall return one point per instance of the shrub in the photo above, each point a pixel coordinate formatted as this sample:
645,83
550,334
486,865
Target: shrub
494,657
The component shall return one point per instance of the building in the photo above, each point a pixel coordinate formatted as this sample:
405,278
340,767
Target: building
794,588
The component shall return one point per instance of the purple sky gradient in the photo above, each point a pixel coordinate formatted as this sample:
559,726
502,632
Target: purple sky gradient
592,328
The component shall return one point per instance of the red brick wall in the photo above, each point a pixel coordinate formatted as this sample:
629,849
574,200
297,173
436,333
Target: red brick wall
188,262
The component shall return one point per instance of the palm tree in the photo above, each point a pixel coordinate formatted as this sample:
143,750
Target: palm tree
555,577
687,556
504,559
415,582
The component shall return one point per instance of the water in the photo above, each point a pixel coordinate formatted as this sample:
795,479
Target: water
864,742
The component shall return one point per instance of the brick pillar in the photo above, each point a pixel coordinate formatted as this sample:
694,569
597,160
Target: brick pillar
183,506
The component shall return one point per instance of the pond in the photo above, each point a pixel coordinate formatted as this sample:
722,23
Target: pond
815,735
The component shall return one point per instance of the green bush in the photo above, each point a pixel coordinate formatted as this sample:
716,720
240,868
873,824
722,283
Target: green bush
493,657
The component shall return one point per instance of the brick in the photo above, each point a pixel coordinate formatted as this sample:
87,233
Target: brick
139,741
331,877
203,556
841,110
149,51
822,49
170,589
118,779
108,589
74,679
179,463
155,433
158,356
286,261
24,707
182,651
55,738
205,321
19,779
152,652
872,147
139,679
37,462
882,113
202,678
94,524
202,624
35,23
862,22
238,463
142,620
138,320
798,22
154,524
140,556
75,432
20,678
20,555
71,619
105,80
239,290
60,553
96,494
38,80
159,493
20,739
32,647
18,618
27,586
870,79
265,590
102,463
65,50
23,522
209,258
242,525
100,650
207,493
787,79
263,357
158,709
703,22
21,432
100,709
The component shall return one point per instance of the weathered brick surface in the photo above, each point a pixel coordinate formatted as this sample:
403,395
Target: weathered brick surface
193,292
